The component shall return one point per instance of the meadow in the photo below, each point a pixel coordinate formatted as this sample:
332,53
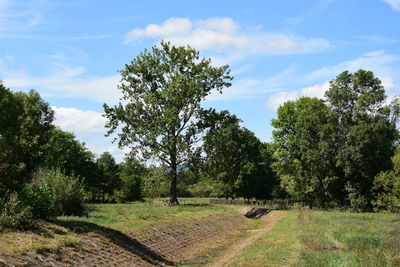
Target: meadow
327,238
300,238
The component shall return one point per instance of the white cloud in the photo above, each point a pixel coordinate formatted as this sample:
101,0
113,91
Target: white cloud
88,126
67,82
79,121
170,27
275,100
394,4
381,64
315,90
377,61
224,35
318,90
17,17
252,88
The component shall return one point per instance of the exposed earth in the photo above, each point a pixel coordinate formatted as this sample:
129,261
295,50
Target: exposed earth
168,244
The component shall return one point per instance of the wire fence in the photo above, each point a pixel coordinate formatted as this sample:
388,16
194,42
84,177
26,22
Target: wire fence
275,204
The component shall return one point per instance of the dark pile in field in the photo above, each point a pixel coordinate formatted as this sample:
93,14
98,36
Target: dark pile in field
160,245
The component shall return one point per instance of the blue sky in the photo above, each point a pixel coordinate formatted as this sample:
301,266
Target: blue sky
71,51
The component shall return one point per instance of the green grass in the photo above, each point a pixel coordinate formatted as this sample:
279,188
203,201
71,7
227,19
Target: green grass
327,238
122,217
135,216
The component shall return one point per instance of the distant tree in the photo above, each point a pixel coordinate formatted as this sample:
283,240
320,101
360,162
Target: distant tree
108,173
160,107
131,174
65,153
234,159
25,121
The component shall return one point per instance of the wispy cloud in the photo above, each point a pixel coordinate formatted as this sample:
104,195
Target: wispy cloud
384,66
67,81
377,61
317,7
224,35
394,4
248,88
379,39
18,17
90,37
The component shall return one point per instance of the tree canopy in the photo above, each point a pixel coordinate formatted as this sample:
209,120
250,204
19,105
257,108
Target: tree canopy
330,152
160,107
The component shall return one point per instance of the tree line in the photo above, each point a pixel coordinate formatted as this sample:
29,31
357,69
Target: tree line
336,152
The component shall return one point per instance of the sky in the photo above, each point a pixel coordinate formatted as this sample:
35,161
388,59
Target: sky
71,51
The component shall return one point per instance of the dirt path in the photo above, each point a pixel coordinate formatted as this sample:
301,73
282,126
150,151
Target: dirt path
269,221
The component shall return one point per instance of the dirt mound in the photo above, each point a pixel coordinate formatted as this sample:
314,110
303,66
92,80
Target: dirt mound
160,245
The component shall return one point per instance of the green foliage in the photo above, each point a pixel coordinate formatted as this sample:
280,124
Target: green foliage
387,187
328,154
366,132
236,160
39,199
131,174
156,183
159,115
14,214
201,189
107,179
69,155
25,120
303,132
66,192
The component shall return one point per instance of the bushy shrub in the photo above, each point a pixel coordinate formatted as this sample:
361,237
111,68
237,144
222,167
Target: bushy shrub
387,188
201,189
40,200
66,192
14,214
131,189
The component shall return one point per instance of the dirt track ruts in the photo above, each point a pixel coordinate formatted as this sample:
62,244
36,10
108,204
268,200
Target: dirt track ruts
269,221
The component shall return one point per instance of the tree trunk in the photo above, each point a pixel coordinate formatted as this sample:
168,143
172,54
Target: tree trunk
173,196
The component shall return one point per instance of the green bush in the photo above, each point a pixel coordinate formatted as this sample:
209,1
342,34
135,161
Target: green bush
201,189
387,188
40,200
14,214
131,189
66,192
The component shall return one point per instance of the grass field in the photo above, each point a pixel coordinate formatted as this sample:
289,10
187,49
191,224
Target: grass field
121,217
300,238
327,238
137,215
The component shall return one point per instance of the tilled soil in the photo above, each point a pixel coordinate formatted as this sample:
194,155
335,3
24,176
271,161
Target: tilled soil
161,245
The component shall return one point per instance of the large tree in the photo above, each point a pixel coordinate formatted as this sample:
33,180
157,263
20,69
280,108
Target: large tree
160,109
25,121
304,138
366,130
329,152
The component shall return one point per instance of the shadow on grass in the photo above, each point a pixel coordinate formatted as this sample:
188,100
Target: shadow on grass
256,213
195,205
118,238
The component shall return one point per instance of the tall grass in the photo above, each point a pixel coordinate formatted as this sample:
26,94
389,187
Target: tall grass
328,238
